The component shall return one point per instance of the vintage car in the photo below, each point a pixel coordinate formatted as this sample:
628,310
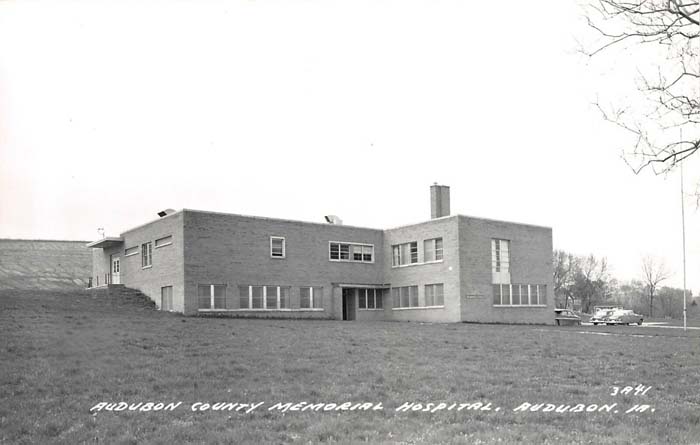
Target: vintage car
624,317
566,317
600,315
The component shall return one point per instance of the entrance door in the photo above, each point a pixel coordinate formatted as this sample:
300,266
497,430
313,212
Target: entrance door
348,304
116,270
166,298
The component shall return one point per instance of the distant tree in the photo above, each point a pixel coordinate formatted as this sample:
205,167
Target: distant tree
662,37
565,265
632,295
591,282
653,273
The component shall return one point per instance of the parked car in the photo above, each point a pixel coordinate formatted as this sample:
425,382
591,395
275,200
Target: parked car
624,317
566,317
600,315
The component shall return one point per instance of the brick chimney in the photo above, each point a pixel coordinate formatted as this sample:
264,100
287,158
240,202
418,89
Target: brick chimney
439,201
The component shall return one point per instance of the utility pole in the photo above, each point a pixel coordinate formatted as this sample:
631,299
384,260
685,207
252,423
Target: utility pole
685,310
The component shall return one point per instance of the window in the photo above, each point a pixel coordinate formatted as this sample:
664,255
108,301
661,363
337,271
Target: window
165,241
355,252
519,294
211,296
264,297
434,295
146,254
277,247
370,298
311,297
432,250
406,253
131,251
500,255
406,296
166,298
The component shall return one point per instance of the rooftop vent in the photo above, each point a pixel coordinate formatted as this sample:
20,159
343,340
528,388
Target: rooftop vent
165,212
332,219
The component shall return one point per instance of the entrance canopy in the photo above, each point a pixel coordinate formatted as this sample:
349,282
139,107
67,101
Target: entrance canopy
106,243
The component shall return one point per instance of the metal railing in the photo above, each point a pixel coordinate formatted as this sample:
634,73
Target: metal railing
106,280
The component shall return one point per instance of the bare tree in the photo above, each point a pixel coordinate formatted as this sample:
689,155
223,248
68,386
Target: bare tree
668,33
590,282
565,266
653,273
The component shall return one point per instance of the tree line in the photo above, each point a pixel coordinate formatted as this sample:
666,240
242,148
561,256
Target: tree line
583,282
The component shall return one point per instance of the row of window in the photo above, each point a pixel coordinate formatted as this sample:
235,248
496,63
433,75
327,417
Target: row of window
519,294
213,296
370,298
407,296
363,253
147,250
407,253
337,251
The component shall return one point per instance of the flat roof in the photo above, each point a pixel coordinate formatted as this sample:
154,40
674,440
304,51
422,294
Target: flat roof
266,218
503,221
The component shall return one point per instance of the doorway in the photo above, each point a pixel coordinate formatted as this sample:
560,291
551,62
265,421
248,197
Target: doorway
116,270
348,304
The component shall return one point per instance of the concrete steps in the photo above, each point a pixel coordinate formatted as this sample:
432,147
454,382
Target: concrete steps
118,294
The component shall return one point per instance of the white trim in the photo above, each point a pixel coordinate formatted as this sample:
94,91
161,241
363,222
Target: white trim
147,267
284,247
373,309
519,305
416,307
364,286
162,245
131,254
416,264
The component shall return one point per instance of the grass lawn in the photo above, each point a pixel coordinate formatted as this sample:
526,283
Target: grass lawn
62,354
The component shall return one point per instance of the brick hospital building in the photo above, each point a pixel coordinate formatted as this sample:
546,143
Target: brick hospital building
450,268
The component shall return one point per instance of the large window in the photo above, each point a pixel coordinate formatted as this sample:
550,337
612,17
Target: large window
356,252
403,254
211,296
311,297
370,298
500,255
277,247
264,297
434,295
146,254
406,296
519,294
432,250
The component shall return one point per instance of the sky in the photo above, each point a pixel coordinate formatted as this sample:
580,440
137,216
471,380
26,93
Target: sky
113,111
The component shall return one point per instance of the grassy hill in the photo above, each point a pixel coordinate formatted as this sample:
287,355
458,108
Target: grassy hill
43,264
